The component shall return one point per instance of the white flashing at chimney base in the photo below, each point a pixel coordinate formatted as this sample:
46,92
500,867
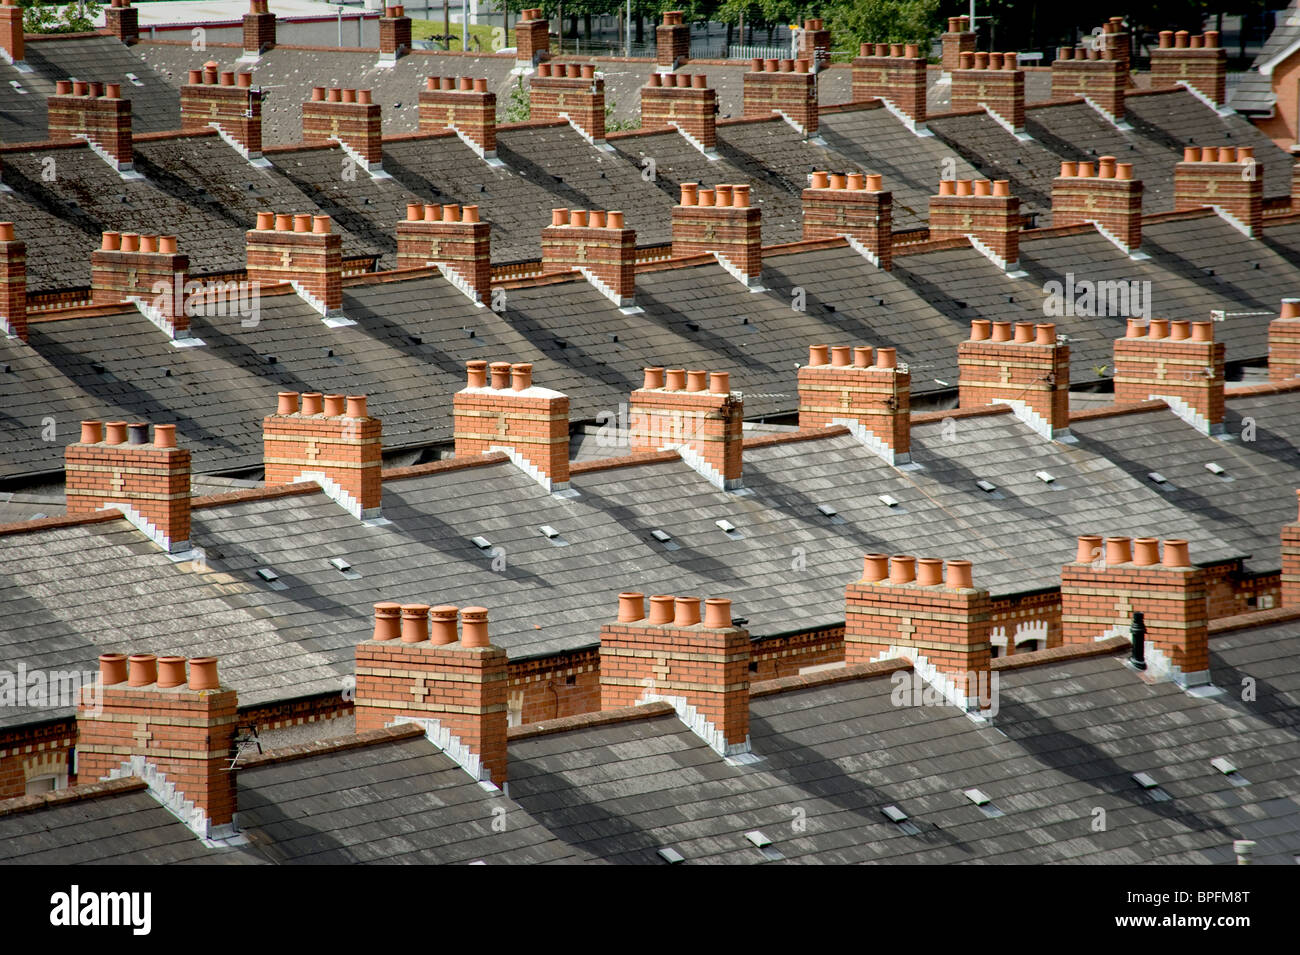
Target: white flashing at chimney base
695,461
338,495
174,801
857,246
1190,415
1137,255
1106,114
334,318
254,158
124,169
622,301
8,329
1006,124
374,169
455,750
156,317
599,144
919,129
699,725
532,470
488,157
1012,269
1035,421
800,128
1160,667
1221,110
931,674
753,283
20,65
1233,221
147,528
459,282
872,443
710,153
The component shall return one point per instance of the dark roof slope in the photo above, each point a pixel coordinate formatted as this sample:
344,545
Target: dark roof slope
1253,92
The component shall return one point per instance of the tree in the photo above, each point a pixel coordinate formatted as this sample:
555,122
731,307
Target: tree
42,16
882,21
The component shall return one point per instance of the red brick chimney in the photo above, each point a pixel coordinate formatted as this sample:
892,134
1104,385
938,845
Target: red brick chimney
1109,198
1226,178
452,238
905,607
672,42
259,29
13,283
122,21
596,244
532,38
1283,340
958,40
302,250
394,35
507,412
1101,589
700,666
1099,76
410,672
1291,564
994,82
1028,370
226,101
114,465
464,105
815,44
1178,362
853,205
328,439
862,389
720,221
11,31
348,117
894,74
984,211
785,88
1115,39
146,269
97,113
572,92
176,731
685,103
696,414
1197,62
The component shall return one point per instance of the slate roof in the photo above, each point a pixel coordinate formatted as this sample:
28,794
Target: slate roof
1253,92
1066,740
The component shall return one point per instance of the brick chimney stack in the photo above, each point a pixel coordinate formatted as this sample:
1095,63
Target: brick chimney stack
908,607
1178,362
984,211
331,440
1115,39
1109,198
394,35
695,413
572,92
815,44
672,42
1197,62
700,666
13,283
598,245
1102,588
1028,370
1099,76
894,74
122,21
684,102
785,88
303,250
720,221
154,720
226,101
149,269
959,39
1283,341
505,411
453,238
532,38
115,465
259,29
97,113
853,205
862,389
994,82
1228,179
11,31
418,668
349,117
1291,564
464,105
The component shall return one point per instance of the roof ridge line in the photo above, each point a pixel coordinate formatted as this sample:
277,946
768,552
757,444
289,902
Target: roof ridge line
564,724
82,791
337,744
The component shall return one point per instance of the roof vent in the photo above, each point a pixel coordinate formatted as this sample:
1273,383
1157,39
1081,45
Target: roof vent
899,818
1229,770
482,543
671,855
552,535
344,568
729,529
981,800
888,500
1148,782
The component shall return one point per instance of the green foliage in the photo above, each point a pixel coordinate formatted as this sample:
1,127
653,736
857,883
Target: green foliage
613,125
852,22
518,107
41,16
